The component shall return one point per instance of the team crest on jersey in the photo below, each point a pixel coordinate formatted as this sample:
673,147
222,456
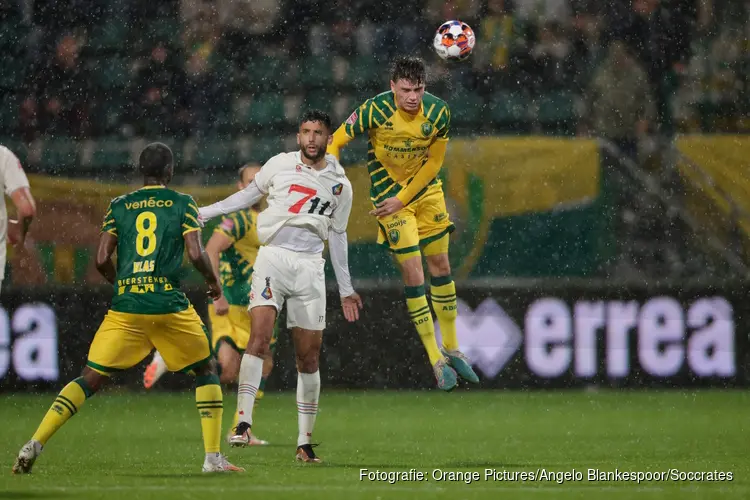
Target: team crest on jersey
337,189
227,224
426,129
394,235
352,119
298,168
266,293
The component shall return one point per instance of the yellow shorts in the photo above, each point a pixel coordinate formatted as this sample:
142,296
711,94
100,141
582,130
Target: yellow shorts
125,339
234,328
423,223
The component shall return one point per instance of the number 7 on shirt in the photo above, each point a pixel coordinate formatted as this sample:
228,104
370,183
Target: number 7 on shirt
308,192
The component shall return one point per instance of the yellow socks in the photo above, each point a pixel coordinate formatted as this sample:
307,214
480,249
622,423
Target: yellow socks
209,401
443,295
67,404
419,312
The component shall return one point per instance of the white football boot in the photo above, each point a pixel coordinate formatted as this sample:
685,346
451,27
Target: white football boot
26,457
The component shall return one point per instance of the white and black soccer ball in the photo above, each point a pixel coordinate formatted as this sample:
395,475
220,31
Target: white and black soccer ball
454,41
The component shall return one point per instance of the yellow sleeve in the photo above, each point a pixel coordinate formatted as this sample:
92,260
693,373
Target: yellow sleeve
109,226
359,122
340,139
430,170
190,219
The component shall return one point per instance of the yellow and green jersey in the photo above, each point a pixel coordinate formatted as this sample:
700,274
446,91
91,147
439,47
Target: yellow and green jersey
150,225
398,141
236,262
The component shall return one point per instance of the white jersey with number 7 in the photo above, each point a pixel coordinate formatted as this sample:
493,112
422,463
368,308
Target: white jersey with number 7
300,196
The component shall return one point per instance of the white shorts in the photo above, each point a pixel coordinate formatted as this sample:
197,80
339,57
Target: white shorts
298,278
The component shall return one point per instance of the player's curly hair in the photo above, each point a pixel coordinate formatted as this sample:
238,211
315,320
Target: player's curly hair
316,115
409,68
155,160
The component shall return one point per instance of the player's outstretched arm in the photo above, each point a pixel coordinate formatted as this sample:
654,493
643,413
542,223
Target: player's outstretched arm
104,264
202,263
248,197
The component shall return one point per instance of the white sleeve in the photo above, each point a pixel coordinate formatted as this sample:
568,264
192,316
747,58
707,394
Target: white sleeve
13,176
239,200
340,218
338,248
267,171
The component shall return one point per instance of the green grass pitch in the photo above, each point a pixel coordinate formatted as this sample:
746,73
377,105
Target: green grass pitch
148,446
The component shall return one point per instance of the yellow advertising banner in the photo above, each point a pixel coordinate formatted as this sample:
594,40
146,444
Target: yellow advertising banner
485,179
725,159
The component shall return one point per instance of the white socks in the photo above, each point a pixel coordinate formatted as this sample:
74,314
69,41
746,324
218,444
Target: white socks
251,371
308,393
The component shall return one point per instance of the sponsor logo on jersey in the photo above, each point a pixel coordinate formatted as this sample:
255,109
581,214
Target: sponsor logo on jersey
388,125
394,235
299,168
396,223
352,119
227,224
426,129
266,293
337,189
441,216
407,143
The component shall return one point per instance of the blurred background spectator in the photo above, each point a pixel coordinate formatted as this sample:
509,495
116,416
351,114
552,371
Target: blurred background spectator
57,94
619,101
227,68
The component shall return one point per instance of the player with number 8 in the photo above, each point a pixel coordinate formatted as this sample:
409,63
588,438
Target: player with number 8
150,229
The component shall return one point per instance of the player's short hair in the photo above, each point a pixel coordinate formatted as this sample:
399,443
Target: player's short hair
316,115
409,68
244,167
155,160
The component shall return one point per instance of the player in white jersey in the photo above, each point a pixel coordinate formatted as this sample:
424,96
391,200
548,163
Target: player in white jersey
16,185
309,201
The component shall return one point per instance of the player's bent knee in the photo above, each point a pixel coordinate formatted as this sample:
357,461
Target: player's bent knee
412,271
307,356
259,346
230,370
308,364
94,379
207,368
229,361
438,265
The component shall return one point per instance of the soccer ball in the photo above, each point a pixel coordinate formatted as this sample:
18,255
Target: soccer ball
454,41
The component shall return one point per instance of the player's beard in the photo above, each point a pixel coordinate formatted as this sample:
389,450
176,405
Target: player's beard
320,154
